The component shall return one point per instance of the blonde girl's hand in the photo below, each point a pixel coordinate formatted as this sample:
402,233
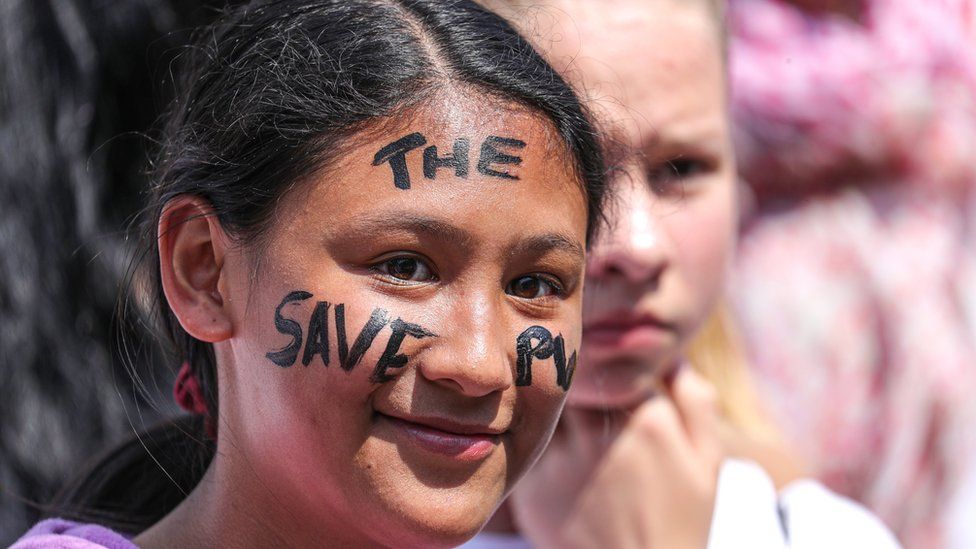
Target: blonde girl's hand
648,483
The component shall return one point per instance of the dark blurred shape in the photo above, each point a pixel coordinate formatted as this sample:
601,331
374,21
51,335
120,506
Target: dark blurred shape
81,83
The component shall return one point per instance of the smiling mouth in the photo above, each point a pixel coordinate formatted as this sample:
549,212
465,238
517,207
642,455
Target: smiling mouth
461,442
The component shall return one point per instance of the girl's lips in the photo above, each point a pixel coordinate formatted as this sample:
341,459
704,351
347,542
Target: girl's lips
628,332
460,442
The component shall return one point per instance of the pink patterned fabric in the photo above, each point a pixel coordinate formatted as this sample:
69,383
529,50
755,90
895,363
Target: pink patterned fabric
823,100
855,286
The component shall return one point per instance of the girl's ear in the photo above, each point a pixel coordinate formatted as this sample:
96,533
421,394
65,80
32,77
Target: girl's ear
192,245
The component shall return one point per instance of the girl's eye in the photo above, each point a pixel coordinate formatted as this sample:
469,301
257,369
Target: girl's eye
533,287
678,169
687,167
407,269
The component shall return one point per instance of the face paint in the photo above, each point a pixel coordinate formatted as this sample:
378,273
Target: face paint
564,369
318,334
286,356
390,358
318,337
546,347
395,154
458,160
491,155
364,340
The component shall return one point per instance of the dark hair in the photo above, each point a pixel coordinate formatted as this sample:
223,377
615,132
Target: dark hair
270,90
76,97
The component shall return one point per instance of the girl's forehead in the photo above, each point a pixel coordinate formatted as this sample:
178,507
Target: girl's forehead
454,160
463,110
658,76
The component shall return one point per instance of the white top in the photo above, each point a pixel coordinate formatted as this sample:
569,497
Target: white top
749,513
961,526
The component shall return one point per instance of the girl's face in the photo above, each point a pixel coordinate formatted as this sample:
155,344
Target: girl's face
376,387
657,74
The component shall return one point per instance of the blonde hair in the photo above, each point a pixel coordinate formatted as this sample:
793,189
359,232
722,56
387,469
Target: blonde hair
716,353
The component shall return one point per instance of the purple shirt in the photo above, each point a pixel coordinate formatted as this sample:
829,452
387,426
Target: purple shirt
63,534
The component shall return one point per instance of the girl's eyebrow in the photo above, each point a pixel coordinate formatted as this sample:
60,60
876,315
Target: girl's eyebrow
408,222
706,138
376,225
704,144
543,243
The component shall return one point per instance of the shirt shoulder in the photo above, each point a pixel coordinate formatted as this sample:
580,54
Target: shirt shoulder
805,514
495,540
64,534
817,517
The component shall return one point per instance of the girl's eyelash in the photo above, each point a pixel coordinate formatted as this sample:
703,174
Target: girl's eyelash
382,267
411,264
679,168
558,289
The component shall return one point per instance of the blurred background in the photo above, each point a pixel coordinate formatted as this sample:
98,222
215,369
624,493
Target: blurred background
855,284
854,287
81,84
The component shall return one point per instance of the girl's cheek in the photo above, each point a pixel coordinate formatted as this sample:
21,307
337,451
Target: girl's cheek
706,242
546,357
305,328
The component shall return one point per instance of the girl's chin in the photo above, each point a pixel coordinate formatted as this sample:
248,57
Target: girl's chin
607,399
622,385
424,522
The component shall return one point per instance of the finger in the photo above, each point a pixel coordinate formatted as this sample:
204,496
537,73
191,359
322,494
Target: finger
658,426
697,404
667,454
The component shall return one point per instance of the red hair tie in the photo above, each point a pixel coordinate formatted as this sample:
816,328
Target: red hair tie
189,396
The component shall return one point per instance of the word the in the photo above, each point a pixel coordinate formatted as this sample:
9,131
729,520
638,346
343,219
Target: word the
489,158
349,357
546,347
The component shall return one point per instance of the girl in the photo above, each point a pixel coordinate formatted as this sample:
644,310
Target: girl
640,457
369,221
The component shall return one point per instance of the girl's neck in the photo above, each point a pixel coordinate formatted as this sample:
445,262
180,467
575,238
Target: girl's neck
227,509
503,521
584,434
190,524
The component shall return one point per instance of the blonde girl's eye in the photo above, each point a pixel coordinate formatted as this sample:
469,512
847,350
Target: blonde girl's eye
678,169
685,168
534,287
406,269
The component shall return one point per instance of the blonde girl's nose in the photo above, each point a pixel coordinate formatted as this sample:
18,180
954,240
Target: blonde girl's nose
635,248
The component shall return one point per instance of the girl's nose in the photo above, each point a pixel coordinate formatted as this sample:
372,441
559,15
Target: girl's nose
471,355
635,249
